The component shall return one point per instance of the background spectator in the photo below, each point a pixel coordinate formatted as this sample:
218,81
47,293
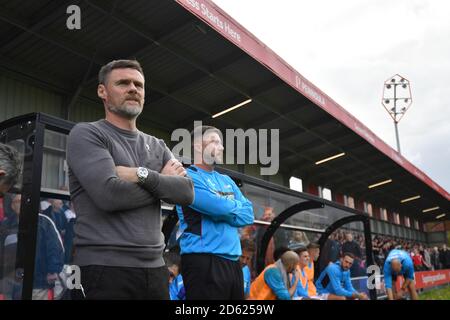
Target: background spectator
248,251
444,257
435,258
426,258
267,216
176,285
417,260
353,247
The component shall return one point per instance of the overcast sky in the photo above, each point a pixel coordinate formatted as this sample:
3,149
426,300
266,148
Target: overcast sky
348,49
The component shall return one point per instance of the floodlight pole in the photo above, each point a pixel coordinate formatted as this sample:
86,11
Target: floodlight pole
397,115
396,136
395,119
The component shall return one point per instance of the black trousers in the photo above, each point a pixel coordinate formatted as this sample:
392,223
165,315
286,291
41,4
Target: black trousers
209,277
122,283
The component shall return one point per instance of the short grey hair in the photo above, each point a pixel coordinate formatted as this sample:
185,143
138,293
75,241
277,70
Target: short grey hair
289,258
117,64
200,131
10,163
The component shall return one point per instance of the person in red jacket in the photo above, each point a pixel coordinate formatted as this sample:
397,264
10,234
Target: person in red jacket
417,259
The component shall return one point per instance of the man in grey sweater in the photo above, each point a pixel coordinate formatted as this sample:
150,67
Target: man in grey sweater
118,176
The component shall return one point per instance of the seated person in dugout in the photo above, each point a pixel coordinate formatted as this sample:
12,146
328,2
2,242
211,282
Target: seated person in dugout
176,284
273,283
303,292
248,250
314,252
334,282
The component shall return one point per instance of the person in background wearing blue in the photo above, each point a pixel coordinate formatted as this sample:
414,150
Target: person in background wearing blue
49,258
334,282
176,285
10,169
399,262
56,213
210,245
248,250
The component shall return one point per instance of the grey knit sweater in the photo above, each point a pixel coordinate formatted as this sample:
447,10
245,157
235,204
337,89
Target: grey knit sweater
119,222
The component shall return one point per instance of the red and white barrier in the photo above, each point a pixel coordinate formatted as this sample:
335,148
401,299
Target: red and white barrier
427,279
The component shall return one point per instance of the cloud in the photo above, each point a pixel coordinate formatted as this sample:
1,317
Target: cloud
349,48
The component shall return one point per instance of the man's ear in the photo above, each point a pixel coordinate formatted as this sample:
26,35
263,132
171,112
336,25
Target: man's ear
101,92
2,173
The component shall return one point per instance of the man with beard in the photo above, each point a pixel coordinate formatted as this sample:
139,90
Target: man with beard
210,245
118,176
334,282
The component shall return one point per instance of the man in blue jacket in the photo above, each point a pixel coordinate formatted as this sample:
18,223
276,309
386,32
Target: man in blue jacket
49,249
397,263
10,168
210,245
334,282
176,284
49,258
248,250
